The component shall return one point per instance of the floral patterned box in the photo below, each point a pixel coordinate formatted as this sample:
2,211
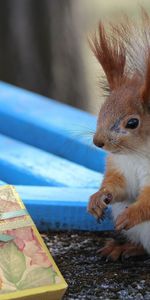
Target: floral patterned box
27,270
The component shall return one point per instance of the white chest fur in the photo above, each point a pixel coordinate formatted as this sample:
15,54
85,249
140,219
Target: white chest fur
136,170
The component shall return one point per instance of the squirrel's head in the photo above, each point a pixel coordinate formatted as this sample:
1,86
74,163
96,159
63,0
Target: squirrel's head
124,118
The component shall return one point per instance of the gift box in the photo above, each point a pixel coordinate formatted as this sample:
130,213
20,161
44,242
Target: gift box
27,270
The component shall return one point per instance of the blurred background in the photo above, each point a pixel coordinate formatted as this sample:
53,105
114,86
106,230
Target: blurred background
44,47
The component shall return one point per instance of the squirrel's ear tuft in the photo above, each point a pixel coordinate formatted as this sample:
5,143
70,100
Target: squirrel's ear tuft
145,90
110,52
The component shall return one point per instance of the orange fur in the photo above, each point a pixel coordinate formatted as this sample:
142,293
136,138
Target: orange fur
113,46
114,182
114,250
145,90
137,212
111,55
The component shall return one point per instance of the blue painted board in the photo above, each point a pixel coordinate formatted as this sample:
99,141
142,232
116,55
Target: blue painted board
24,164
49,125
54,208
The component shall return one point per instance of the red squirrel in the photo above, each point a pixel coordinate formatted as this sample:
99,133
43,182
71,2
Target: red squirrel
123,129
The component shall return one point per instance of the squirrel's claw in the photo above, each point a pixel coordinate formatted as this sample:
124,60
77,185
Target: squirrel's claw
101,219
127,219
122,221
98,204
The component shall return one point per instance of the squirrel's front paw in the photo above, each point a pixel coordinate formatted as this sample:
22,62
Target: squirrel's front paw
129,218
98,202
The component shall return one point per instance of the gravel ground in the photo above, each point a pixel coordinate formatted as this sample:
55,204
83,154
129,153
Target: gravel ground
91,278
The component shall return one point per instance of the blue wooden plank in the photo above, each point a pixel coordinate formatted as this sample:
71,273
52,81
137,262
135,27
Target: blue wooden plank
49,125
54,208
24,164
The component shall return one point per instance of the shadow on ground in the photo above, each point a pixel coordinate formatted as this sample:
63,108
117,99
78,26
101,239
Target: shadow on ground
91,278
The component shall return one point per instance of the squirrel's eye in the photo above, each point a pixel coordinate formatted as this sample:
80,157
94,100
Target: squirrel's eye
132,123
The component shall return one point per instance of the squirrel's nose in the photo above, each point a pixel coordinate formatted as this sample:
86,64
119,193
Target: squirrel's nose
97,142
101,144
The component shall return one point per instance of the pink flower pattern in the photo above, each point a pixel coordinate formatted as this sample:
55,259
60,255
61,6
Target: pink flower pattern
27,242
25,239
